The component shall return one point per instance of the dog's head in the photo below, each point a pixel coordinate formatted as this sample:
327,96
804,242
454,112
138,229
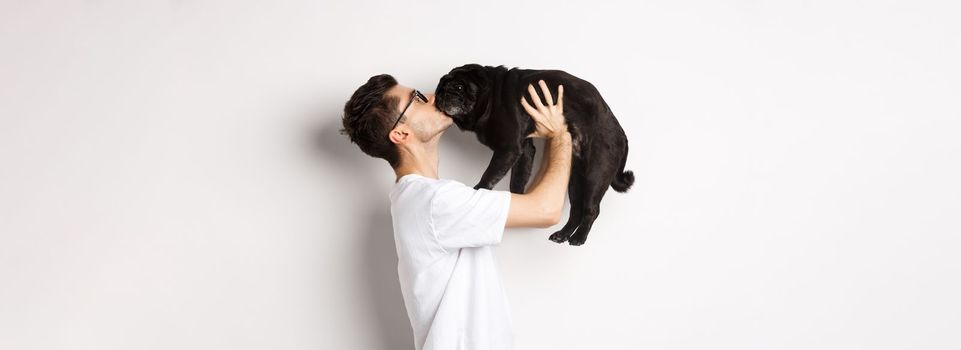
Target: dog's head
458,91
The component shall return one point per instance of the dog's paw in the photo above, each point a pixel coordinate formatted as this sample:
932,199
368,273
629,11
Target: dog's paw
577,240
558,237
480,186
516,190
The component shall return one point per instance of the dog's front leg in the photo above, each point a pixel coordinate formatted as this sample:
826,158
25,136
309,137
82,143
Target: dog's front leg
501,162
521,172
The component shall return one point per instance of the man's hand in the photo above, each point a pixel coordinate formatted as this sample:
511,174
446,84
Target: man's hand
548,120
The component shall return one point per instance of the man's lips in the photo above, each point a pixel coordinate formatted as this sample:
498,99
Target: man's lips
442,112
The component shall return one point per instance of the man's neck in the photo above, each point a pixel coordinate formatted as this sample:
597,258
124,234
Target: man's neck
421,161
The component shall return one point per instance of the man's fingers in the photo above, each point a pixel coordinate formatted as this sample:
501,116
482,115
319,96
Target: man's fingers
547,93
537,100
560,97
530,110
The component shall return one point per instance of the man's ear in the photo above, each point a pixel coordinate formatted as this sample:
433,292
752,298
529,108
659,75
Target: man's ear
399,135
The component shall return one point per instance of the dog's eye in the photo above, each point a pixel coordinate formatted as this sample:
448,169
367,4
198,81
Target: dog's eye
459,87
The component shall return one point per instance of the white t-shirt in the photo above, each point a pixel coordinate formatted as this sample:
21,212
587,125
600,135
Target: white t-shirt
444,231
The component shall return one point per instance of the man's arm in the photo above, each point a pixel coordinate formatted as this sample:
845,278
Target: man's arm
542,205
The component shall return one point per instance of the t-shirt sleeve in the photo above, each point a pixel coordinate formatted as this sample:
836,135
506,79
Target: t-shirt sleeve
464,217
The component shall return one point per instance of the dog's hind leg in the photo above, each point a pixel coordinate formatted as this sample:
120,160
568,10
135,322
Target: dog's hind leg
521,172
591,208
597,179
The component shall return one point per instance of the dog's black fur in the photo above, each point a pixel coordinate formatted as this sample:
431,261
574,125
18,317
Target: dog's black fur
486,100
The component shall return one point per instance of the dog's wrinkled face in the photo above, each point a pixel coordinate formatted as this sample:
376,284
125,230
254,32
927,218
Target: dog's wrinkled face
457,91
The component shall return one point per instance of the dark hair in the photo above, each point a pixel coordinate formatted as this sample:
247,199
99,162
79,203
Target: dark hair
368,116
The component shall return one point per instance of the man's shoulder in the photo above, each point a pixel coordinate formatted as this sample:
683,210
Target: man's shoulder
419,188
421,182
427,189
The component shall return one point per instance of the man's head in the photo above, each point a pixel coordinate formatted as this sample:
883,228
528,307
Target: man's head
373,110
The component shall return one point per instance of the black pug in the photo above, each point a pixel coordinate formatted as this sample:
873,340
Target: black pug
486,100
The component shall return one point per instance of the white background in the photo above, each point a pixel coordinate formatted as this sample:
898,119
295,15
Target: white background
171,176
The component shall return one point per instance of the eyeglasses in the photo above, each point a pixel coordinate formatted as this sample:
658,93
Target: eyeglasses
414,94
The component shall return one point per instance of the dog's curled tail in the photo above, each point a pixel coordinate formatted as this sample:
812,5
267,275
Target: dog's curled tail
624,179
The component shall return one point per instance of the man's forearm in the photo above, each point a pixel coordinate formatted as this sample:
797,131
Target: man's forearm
550,185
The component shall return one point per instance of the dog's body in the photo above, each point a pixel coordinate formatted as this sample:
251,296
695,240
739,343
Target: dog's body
486,100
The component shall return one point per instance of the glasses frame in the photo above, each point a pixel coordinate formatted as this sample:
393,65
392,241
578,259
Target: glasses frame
415,94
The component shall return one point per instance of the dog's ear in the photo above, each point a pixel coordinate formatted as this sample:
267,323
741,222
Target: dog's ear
468,67
478,76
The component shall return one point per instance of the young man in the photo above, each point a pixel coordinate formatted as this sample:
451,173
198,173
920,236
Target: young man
444,229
